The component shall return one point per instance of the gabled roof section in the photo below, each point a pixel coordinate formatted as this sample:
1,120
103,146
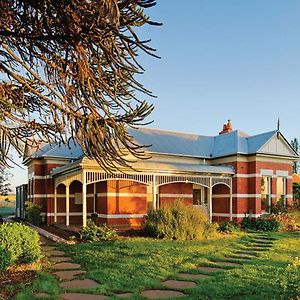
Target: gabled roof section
71,151
278,145
255,142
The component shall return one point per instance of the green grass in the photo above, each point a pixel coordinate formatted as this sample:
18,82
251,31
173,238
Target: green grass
135,264
7,211
44,283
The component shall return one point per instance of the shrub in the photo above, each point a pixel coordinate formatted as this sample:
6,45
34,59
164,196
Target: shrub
288,222
260,224
248,223
228,227
5,259
21,241
33,213
289,280
267,224
280,207
93,233
178,222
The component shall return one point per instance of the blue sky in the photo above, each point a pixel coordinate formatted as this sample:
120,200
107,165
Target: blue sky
223,59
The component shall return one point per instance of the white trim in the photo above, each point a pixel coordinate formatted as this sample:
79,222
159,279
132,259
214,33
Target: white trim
111,194
84,202
237,195
42,177
235,215
246,175
175,195
266,172
106,216
282,173
52,195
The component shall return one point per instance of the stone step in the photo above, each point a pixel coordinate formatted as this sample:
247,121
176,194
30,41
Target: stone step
179,284
79,296
68,275
79,284
59,258
55,253
191,276
255,248
47,248
243,255
250,253
228,263
211,269
262,242
65,266
161,294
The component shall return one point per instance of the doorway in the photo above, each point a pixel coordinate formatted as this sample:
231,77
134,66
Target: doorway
200,197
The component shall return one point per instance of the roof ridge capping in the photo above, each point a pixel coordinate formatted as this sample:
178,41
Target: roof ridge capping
141,128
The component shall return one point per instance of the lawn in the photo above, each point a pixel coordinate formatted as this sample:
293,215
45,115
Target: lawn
136,264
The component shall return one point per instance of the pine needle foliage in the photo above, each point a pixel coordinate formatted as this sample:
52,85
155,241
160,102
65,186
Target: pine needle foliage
68,73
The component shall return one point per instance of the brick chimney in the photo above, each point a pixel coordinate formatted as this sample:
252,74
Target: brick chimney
226,128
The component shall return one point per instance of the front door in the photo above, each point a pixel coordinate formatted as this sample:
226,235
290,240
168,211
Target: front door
200,198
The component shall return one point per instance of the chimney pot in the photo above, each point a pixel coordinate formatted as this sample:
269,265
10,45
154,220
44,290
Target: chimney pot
226,127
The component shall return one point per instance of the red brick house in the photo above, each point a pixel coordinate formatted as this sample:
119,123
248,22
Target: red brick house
230,176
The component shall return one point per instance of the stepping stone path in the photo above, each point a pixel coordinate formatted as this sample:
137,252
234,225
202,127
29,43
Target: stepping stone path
228,263
190,276
179,284
211,269
68,275
55,253
67,272
59,258
65,266
79,284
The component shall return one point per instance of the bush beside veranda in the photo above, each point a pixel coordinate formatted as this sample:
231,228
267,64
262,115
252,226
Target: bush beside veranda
179,222
33,213
21,242
228,227
93,233
260,224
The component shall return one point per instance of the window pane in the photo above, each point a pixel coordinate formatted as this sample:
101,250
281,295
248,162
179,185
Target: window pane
280,186
265,185
196,197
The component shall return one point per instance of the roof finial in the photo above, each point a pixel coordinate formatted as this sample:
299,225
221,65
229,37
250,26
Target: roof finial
278,125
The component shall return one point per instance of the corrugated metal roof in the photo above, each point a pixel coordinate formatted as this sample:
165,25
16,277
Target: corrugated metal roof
176,143
72,150
234,142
